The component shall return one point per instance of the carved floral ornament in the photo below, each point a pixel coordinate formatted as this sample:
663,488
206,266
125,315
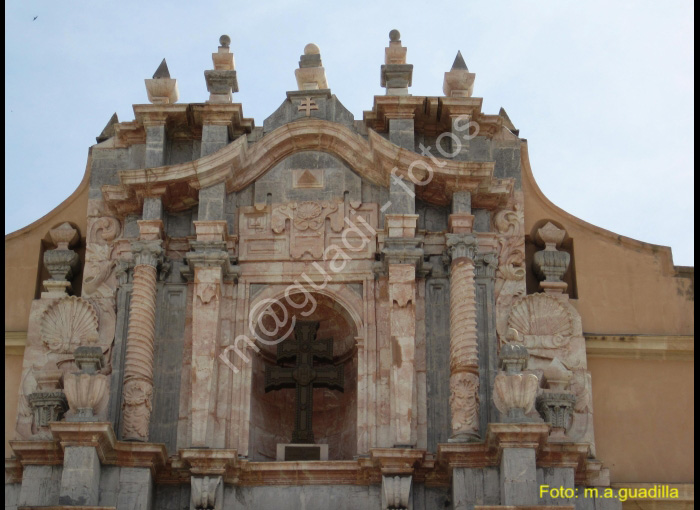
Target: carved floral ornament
68,323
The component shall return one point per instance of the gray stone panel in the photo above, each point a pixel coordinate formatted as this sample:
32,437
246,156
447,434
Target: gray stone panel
482,220
437,328
135,489
431,218
431,498
118,353
80,480
170,326
586,501
508,164
179,224
109,485
12,491
137,156
555,478
213,139
488,357
40,485
173,497
152,208
211,202
462,202
480,149
155,146
131,228
402,133
104,167
329,108
182,151
472,487
230,208
335,179
519,477
402,196
303,497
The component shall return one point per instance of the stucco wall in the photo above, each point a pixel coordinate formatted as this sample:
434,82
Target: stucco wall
624,286
22,252
643,412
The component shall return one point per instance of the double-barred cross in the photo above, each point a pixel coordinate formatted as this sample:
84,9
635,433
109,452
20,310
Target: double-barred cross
303,350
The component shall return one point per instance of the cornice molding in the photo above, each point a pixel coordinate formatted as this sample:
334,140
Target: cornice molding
643,347
15,342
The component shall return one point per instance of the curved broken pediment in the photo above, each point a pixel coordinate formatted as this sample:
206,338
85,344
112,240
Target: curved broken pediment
374,158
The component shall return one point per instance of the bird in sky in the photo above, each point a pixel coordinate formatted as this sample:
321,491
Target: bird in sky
35,17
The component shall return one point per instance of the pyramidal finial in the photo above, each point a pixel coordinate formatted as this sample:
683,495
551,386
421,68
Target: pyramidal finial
459,62
108,131
507,122
162,71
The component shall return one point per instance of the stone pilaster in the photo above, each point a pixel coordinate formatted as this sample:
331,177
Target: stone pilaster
155,140
209,263
138,364
464,346
402,295
403,255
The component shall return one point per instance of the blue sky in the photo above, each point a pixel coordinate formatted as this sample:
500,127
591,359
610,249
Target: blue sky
603,91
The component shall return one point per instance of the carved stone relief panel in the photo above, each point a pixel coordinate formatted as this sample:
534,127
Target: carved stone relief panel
304,230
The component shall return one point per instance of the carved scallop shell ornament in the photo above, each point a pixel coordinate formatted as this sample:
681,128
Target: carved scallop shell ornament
543,321
68,323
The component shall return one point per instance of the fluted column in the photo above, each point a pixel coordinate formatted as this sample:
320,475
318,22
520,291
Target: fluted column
138,364
464,346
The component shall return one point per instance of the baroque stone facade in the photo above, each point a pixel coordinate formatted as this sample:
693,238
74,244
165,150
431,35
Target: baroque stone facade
401,235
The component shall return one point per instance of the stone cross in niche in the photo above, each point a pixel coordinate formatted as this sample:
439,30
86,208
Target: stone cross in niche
302,351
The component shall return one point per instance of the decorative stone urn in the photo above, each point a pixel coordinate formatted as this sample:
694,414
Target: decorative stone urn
551,264
62,263
85,389
514,392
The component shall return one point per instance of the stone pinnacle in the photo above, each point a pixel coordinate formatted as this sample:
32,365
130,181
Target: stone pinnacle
459,62
162,71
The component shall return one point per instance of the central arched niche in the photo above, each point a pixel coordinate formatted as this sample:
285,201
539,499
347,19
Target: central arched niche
334,418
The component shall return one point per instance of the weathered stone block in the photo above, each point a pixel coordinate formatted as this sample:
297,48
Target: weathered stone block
135,489
518,477
40,485
80,480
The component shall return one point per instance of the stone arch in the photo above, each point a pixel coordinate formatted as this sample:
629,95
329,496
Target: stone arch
336,413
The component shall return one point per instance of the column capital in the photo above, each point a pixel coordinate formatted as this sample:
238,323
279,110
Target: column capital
461,246
147,253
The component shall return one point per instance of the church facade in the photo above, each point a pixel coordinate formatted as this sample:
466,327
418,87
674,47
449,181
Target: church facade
324,312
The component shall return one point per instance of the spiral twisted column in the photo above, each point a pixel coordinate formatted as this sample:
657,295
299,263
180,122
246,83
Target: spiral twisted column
138,364
464,346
